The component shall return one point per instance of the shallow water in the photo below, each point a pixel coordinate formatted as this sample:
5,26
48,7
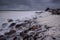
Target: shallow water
22,15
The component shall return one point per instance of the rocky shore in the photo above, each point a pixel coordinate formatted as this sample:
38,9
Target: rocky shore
36,28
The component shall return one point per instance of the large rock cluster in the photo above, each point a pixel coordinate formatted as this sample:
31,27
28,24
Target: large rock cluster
54,11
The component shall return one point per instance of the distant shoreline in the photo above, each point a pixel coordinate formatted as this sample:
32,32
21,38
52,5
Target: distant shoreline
20,10
15,10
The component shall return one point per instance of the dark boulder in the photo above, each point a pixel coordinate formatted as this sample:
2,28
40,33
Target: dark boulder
53,38
12,24
1,36
47,9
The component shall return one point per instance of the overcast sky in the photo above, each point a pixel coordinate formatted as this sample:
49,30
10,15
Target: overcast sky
28,4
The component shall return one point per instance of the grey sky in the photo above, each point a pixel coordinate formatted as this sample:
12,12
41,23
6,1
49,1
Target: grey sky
28,4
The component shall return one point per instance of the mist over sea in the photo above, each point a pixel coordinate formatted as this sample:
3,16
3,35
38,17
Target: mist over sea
28,4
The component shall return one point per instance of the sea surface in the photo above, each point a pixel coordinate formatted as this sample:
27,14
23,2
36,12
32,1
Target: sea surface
22,15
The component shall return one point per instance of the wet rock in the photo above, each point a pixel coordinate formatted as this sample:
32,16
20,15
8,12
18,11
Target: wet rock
48,37
21,24
1,29
47,27
58,11
25,32
2,37
28,21
53,38
18,20
24,35
35,37
34,27
12,24
10,20
18,25
54,11
4,25
10,33
15,38
47,9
